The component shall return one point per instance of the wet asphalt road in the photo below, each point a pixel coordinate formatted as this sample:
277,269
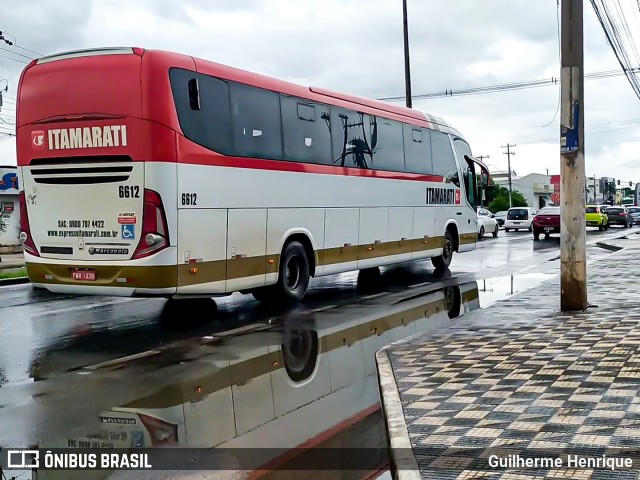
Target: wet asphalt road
46,338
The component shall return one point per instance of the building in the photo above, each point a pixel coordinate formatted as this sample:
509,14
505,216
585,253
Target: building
597,190
9,210
536,188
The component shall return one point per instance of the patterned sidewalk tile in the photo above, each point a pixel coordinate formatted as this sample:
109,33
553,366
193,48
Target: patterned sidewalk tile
522,375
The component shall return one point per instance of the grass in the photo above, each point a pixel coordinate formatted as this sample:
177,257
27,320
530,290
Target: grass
13,273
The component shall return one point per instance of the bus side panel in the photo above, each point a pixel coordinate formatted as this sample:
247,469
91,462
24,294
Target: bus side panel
400,233
340,252
246,248
284,222
427,241
202,248
374,234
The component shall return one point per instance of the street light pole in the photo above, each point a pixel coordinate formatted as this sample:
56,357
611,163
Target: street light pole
573,261
407,69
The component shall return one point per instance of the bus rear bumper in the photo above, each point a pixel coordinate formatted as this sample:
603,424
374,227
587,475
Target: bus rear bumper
102,278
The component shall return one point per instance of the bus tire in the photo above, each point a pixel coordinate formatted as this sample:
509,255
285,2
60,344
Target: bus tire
444,260
294,273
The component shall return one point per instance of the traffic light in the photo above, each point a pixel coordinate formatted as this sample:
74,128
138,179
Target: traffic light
631,184
618,182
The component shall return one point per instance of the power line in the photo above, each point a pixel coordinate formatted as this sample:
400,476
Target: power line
616,39
500,87
16,53
13,43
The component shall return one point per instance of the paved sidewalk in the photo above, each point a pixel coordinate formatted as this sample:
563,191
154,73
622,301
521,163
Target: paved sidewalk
522,378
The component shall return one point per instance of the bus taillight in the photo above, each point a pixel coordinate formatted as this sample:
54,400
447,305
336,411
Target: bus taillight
161,432
155,232
25,228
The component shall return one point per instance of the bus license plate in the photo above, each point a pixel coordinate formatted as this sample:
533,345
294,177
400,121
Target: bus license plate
86,275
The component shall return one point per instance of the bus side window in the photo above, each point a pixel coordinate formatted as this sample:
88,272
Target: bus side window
417,149
255,121
387,144
305,130
444,161
209,125
350,139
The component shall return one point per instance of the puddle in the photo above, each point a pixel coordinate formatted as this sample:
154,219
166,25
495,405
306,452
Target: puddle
240,389
494,289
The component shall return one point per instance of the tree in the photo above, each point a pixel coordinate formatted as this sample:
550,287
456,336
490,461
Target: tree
500,199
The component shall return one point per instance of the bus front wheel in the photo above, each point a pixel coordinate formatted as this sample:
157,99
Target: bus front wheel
443,261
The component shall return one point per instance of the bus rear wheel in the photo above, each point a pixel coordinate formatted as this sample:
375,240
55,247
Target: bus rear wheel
293,277
443,261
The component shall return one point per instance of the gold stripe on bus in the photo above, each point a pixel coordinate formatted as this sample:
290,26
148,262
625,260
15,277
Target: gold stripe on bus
331,256
467,238
250,369
205,272
166,276
470,296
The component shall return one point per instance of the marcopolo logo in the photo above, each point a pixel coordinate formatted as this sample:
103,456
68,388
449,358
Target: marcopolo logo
108,251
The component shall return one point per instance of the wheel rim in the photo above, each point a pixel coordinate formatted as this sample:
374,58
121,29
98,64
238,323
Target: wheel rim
292,272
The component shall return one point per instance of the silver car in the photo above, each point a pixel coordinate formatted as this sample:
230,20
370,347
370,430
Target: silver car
635,214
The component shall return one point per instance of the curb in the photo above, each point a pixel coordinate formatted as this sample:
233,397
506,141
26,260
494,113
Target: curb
404,465
14,281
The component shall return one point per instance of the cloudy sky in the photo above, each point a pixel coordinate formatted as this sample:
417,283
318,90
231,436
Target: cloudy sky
356,46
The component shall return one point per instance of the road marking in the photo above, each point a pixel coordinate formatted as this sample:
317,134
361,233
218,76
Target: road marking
375,295
322,309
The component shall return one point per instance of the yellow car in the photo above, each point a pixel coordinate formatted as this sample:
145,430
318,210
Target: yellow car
596,217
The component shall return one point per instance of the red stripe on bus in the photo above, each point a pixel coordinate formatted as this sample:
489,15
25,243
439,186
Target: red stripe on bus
284,166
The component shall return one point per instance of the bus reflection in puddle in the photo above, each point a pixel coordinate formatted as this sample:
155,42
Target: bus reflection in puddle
304,379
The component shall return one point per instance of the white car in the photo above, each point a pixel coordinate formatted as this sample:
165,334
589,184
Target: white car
500,217
519,218
486,223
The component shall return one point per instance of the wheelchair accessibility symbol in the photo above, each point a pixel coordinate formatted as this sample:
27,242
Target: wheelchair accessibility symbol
128,232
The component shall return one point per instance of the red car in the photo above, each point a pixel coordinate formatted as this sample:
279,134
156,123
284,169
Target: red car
546,222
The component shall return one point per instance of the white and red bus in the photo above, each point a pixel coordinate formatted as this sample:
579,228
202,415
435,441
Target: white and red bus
155,173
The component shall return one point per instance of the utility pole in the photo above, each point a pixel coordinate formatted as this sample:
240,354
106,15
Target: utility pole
508,153
407,69
573,260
